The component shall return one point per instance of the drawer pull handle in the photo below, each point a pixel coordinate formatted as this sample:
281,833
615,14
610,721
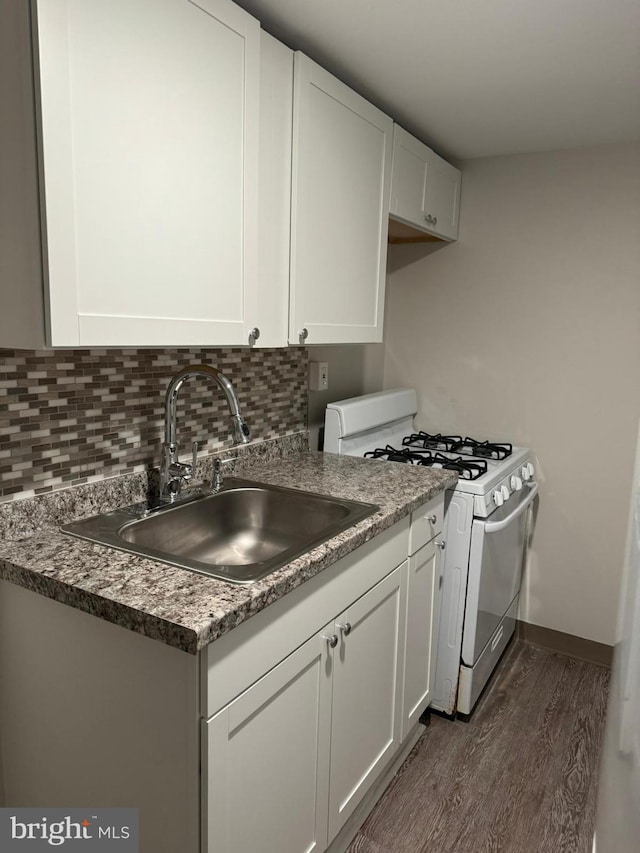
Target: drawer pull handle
345,629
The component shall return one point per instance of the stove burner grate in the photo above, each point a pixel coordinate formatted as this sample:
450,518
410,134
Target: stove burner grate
491,450
391,454
468,469
432,442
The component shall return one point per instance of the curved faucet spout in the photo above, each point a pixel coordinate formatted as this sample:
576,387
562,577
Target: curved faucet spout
240,429
174,473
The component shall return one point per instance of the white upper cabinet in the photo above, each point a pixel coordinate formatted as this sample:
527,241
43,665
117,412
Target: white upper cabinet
341,178
274,191
425,189
149,127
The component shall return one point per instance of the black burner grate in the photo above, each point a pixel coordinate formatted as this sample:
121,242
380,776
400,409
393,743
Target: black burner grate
489,449
468,469
432,442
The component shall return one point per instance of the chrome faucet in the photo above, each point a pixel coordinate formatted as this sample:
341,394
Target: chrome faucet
173,473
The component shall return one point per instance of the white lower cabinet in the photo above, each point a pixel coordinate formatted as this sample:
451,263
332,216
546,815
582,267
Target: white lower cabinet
365,730
290,759
268,760
422,622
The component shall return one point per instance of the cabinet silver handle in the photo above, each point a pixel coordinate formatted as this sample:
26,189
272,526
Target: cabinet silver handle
304,334
332,640
345,629
435,220
433,518
441,545
254,334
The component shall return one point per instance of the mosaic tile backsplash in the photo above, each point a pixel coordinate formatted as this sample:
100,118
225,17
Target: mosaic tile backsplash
71,416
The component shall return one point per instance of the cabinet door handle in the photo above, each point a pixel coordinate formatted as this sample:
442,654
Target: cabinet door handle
304,334
441,545
332,640
433,518
345,629
254,334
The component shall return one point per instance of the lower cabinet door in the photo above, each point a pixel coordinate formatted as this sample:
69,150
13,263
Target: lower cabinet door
266,760
422,622
366,695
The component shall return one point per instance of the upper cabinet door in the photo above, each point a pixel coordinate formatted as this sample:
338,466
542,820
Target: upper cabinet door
274,190
425,189
341,177
149,116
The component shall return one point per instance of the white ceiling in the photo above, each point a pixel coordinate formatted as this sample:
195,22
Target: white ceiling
476,78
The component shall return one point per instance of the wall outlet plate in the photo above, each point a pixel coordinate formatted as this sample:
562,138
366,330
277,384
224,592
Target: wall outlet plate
318,376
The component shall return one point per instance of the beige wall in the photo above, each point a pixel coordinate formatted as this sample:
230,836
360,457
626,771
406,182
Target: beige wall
528,329
353,370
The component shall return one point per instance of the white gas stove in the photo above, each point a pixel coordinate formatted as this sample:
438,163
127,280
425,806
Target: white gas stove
485,530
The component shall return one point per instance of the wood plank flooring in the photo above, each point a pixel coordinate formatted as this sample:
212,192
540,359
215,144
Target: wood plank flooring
519,777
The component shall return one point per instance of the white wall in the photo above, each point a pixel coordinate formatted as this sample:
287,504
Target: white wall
528,329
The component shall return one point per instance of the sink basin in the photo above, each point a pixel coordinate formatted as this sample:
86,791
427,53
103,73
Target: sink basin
239,534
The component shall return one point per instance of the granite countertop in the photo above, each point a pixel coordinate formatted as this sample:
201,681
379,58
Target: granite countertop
189,610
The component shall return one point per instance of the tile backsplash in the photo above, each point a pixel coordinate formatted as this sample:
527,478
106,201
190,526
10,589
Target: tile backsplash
70,416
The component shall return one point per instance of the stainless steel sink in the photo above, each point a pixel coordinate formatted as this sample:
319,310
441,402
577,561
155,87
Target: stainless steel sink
239,534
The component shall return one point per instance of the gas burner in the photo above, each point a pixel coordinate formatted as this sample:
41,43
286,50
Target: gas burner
432,442
468,469
391,454
488,449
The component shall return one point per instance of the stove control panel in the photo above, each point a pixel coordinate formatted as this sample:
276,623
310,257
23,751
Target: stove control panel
506,488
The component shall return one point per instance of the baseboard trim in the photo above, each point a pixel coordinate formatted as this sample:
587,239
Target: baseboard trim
566,644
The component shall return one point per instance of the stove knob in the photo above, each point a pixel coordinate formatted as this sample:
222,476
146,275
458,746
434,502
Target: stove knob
505,492
498,497
516,483
524,472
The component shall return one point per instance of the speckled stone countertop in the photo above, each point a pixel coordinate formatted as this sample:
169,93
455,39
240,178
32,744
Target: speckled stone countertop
185,609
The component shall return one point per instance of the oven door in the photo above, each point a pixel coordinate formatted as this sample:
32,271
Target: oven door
495,570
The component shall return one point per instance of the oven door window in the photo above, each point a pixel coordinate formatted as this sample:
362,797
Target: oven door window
495,571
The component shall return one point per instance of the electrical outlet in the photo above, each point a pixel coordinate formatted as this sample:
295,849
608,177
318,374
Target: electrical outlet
318,376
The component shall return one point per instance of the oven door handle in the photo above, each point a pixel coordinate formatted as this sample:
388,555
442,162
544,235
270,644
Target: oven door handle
495,526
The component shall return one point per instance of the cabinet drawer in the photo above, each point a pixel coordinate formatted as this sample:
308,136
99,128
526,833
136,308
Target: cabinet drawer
426,522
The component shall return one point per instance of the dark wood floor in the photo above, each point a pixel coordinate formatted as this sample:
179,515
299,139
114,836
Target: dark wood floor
520,777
